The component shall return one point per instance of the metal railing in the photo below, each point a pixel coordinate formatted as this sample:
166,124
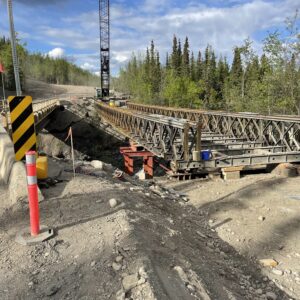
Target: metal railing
269,130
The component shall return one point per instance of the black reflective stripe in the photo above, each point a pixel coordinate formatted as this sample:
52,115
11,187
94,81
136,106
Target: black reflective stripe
33,148
24,138
15,102
21,118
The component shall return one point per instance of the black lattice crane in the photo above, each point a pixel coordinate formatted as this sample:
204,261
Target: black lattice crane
104,46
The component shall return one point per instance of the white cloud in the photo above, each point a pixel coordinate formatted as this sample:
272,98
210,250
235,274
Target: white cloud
56,53
222,26
88,66
121,57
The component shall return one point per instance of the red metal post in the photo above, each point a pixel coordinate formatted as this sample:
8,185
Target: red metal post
148,165
33,193
128,164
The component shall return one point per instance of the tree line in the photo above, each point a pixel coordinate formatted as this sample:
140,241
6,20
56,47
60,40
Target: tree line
266,83
42,67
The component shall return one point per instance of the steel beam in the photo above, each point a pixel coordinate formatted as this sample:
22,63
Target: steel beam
270,130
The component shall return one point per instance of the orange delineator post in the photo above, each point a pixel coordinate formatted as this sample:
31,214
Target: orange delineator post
33,193
129,153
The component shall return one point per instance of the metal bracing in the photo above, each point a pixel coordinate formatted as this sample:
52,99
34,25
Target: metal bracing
268,130
232,139
168,138
104,19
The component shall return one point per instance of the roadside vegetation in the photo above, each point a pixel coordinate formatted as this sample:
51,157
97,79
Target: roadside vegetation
42,67
267,83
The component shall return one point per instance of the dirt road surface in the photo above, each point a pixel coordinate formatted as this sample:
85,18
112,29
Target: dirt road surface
148,244
259,216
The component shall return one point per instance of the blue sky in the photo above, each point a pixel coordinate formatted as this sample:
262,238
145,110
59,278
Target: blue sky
70,27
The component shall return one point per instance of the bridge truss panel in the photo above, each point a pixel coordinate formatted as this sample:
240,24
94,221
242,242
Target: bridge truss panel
268,130
178,135
161,136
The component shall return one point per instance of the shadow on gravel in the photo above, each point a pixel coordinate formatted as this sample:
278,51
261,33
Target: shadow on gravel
239,199
235,200
88,139
61,213
282,233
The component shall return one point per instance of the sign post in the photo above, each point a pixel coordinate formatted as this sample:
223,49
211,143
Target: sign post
14,47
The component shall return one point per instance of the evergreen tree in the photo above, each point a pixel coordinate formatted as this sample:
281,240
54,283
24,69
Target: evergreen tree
199,67
179,58
168,66
186,59
193,68
174,56
266,85
236,69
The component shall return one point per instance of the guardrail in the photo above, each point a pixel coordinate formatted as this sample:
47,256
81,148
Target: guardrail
43,108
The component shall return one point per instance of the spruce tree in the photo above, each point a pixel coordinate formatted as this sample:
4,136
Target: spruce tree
167,61
186,59
147,64
174,56
179,58
193,68
236,72
199,67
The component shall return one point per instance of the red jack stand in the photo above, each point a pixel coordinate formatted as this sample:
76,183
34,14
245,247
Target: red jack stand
129,153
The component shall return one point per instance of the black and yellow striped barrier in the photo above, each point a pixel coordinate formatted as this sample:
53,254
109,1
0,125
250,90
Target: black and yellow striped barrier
22,123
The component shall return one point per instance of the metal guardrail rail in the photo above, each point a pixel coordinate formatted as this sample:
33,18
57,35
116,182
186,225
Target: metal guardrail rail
41,109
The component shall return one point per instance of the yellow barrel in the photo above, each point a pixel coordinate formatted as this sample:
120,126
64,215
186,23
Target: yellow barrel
42,167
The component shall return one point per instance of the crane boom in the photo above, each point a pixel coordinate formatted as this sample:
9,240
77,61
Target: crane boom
104,19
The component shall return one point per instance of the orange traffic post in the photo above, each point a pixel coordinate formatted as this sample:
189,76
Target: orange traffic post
37,233
33,193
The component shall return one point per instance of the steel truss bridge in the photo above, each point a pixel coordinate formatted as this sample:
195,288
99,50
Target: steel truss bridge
236,139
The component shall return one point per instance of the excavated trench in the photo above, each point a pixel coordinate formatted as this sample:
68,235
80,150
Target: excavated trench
90,139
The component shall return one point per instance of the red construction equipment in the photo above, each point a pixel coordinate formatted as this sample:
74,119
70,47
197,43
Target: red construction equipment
129,153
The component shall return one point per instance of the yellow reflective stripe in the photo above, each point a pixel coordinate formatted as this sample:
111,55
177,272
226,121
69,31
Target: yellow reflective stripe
19,109
10,98
23,128
30,142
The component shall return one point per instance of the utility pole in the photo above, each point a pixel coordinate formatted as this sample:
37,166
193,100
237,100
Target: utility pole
104,46
14,47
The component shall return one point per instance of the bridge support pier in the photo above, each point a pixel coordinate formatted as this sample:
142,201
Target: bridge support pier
129,153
